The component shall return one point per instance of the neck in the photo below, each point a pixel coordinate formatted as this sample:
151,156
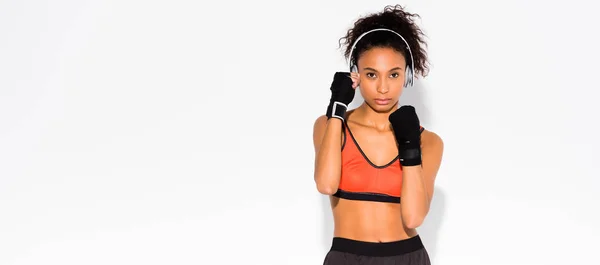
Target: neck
372,118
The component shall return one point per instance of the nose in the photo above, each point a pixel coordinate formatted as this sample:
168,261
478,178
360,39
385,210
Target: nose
382,87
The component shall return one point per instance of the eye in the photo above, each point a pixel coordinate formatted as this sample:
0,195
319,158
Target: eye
395,75
371,75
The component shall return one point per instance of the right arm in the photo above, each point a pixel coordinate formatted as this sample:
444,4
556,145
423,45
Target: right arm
327,134
328,154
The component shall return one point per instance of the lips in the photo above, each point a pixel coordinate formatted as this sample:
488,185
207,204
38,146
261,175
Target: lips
383,101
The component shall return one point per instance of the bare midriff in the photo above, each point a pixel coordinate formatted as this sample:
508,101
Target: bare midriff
369,221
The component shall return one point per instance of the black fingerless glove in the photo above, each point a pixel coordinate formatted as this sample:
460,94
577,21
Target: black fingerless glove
342,94
407,130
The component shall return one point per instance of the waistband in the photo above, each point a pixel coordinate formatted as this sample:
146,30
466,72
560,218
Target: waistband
377,249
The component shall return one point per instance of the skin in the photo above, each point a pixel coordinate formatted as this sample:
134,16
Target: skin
380,76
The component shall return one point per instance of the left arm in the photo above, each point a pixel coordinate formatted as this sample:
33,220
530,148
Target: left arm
418,181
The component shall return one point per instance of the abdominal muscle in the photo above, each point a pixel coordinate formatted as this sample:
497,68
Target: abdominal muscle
369,221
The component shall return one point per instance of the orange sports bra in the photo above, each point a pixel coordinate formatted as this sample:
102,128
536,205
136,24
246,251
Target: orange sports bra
362,180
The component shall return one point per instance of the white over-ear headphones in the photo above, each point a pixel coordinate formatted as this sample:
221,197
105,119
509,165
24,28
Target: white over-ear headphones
409,76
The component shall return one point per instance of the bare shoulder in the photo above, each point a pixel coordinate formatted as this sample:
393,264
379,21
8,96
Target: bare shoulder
431,140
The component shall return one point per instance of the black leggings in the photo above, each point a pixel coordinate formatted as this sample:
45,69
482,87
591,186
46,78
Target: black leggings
352,252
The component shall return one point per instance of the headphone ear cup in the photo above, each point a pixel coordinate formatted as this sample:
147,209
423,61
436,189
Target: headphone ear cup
409,77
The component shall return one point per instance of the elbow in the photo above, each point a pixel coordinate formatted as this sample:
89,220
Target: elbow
413,222
327,180
414,217
412,225
326,189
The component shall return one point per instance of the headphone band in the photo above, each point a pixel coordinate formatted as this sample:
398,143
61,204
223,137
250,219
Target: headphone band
409,70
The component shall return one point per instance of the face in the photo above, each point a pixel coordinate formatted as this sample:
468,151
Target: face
382,77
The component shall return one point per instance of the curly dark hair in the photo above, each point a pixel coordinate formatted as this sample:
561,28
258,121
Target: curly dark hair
394,18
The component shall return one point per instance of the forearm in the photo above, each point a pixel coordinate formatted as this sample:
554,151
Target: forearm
415,200
328,159
420,156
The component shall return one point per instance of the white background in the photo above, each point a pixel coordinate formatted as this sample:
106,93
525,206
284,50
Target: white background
180,132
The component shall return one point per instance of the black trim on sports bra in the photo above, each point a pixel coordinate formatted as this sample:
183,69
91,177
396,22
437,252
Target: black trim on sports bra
346,127
363,153
343,135
366,196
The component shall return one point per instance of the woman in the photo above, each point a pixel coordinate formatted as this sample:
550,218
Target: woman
376,162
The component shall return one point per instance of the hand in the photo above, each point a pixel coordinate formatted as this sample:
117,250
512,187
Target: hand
407,130
342,89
